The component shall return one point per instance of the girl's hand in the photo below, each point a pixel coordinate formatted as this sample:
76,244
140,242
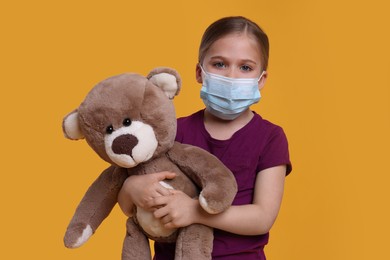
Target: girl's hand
139,189
176,210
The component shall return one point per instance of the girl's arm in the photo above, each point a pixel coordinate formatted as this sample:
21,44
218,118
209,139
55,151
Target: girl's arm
251,219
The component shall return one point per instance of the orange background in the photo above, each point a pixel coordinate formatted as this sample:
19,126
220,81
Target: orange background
328,87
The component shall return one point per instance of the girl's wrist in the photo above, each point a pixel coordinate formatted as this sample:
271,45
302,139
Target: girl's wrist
200,215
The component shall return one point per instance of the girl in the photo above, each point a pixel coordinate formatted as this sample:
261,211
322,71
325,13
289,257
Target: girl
232,68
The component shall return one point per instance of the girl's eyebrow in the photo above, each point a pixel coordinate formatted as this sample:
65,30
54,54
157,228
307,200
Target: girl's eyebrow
225,58
217,57
249,61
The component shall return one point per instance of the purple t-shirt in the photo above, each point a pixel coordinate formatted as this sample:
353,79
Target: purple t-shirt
257,146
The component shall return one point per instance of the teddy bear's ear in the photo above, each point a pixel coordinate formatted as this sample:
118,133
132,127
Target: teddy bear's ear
167,79
71,126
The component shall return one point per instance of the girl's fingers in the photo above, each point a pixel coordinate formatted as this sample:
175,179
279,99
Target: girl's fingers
160,213
156,202
165,175
166,219
162,191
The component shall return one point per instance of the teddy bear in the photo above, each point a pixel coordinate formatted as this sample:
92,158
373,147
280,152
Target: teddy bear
129,120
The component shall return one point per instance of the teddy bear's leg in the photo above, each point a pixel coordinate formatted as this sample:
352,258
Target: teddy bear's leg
136,244
194,242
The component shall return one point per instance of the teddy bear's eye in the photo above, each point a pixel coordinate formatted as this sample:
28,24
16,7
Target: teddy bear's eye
109,129
127,122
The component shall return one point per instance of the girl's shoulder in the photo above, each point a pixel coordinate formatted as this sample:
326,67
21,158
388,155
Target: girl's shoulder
260,125
197,116
191,123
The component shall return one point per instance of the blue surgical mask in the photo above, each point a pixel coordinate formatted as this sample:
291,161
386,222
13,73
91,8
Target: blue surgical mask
227,98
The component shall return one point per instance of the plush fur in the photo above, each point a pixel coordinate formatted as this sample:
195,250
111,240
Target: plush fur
129,121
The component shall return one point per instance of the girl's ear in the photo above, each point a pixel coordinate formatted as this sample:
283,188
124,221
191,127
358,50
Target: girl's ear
263,80
198,74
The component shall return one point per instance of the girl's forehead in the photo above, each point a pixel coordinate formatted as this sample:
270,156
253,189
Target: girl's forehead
240,45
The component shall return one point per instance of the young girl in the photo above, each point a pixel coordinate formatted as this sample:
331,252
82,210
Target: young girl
232,68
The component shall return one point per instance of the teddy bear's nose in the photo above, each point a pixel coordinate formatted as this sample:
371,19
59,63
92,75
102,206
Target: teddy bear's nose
124,144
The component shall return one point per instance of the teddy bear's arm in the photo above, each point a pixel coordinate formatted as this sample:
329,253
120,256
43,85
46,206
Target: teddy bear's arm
217,182
95,206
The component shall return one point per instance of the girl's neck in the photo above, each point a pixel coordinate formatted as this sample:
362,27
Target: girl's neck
224,129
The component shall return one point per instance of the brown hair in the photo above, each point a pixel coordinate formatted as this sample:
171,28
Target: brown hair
234,24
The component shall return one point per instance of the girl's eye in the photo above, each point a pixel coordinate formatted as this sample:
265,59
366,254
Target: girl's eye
219,65
246,68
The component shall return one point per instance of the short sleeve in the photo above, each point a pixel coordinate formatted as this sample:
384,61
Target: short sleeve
275,152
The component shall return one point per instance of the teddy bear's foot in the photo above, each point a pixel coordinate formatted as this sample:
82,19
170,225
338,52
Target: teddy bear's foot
136,244
194,242
77,234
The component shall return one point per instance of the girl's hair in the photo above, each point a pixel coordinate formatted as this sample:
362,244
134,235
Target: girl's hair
234,24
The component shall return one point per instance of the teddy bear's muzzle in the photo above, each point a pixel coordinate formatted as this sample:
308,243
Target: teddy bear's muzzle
124,144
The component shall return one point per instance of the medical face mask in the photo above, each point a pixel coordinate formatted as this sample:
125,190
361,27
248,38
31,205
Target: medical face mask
227,98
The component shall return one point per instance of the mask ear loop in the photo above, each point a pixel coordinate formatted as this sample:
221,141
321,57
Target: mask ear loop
261,75
201,67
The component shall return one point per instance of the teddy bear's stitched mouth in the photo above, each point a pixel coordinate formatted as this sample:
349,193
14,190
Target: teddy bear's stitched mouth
124,144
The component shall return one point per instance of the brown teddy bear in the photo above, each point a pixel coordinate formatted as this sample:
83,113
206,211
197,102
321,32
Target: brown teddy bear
129,121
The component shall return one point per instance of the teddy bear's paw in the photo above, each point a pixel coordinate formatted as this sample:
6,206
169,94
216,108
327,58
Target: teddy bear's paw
77,235
207,206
